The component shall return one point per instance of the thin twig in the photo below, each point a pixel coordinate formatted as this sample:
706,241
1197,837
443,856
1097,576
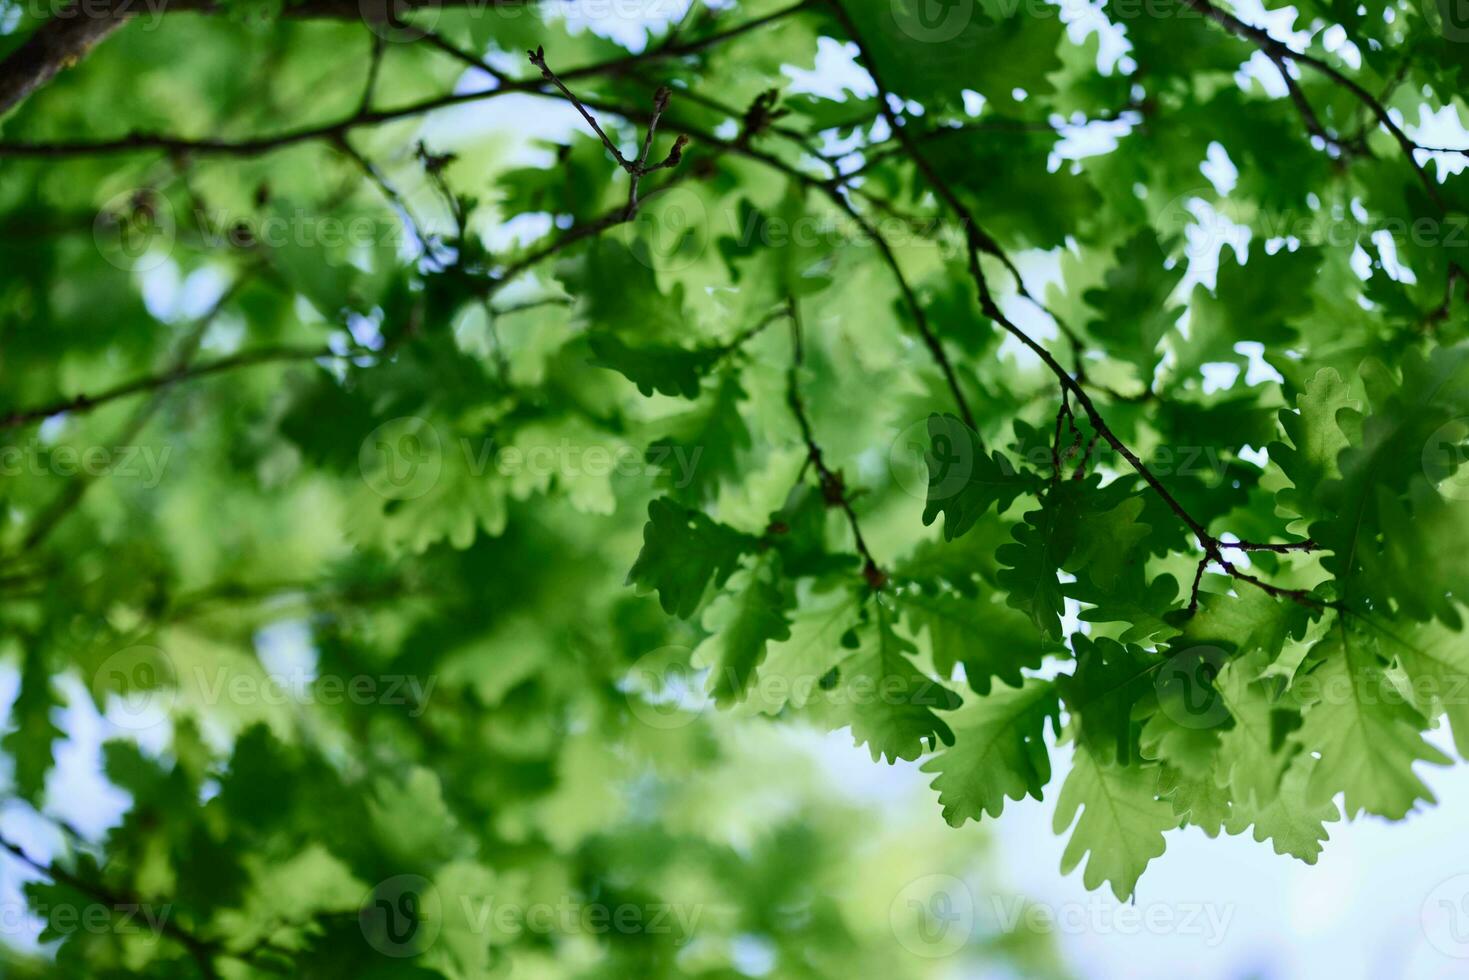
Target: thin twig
374,65
174,375
833,488
253,146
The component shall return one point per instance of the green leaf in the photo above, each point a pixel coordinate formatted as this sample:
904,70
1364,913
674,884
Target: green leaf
1031,567
741,621
1134,304
1436,661
32,731
795,665
700,448
619,292
1290,821
1315,441
662,368
989,639
1367,737
683,550
1121,825
999,751
1107,542
964,481
1111,684
890,703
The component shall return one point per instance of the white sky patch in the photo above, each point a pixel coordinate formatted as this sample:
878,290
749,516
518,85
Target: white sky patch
1261,69
1277,23
836,73
160,286
77,791
1334,39
628,22
1219,376
1206,237
1220,170
1442,128
1258,371
1388,249
287,655
1083,19
1260,457
1361,263
1089,139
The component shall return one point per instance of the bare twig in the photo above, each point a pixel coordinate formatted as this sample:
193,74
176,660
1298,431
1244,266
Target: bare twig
833,488
635,168
136,142
180,372
374,65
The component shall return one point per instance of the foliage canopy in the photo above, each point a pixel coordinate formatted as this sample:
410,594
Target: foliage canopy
1051,377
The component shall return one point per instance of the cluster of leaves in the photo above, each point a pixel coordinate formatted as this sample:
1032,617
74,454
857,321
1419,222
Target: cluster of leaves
1195,511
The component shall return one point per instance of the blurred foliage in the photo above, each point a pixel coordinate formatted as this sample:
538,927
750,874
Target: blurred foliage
556,476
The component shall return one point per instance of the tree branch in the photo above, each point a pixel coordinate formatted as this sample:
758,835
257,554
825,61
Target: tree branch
833,488
16,69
